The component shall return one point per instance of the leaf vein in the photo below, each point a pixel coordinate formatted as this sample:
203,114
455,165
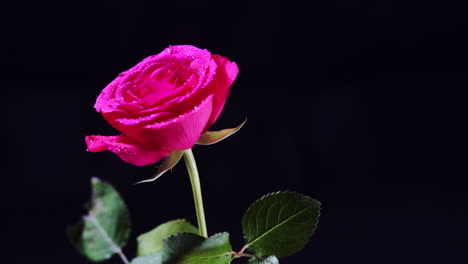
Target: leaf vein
210,257
113,246
278,225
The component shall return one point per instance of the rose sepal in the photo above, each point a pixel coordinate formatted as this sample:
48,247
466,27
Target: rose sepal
212,137
168,163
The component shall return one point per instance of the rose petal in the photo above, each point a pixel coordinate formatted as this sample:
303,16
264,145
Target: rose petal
226,73
186,52
126,148
158,91
131,125
181,132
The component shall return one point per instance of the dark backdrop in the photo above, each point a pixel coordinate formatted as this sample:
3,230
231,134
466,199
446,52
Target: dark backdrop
360,104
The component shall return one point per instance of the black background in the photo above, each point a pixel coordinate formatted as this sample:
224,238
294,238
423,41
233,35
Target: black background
360,104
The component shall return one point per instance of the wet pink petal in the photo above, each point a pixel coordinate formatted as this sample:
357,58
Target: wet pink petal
181,132
158,90
185,53
226,73
126,148
131,124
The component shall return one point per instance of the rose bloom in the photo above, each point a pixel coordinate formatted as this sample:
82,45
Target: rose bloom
163,103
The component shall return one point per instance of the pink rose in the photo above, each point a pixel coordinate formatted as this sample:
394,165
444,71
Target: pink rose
164,103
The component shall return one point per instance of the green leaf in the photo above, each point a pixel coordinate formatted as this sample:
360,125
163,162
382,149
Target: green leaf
106,228
212,137
186,248
152,241
155,258
280,224
269,260
168,163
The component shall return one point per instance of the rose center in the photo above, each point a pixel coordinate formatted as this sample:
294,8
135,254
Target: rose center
158,86
156,90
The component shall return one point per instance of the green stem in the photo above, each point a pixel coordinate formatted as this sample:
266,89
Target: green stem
196,188
123,257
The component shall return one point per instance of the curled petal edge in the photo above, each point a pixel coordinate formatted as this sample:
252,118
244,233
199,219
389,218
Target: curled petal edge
212,137
168,163
128,149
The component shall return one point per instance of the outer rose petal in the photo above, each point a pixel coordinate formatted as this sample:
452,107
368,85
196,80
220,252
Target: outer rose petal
181,132
226,73
126,148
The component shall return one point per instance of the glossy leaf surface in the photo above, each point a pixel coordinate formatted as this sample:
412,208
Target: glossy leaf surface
186,248
280,224
152,241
